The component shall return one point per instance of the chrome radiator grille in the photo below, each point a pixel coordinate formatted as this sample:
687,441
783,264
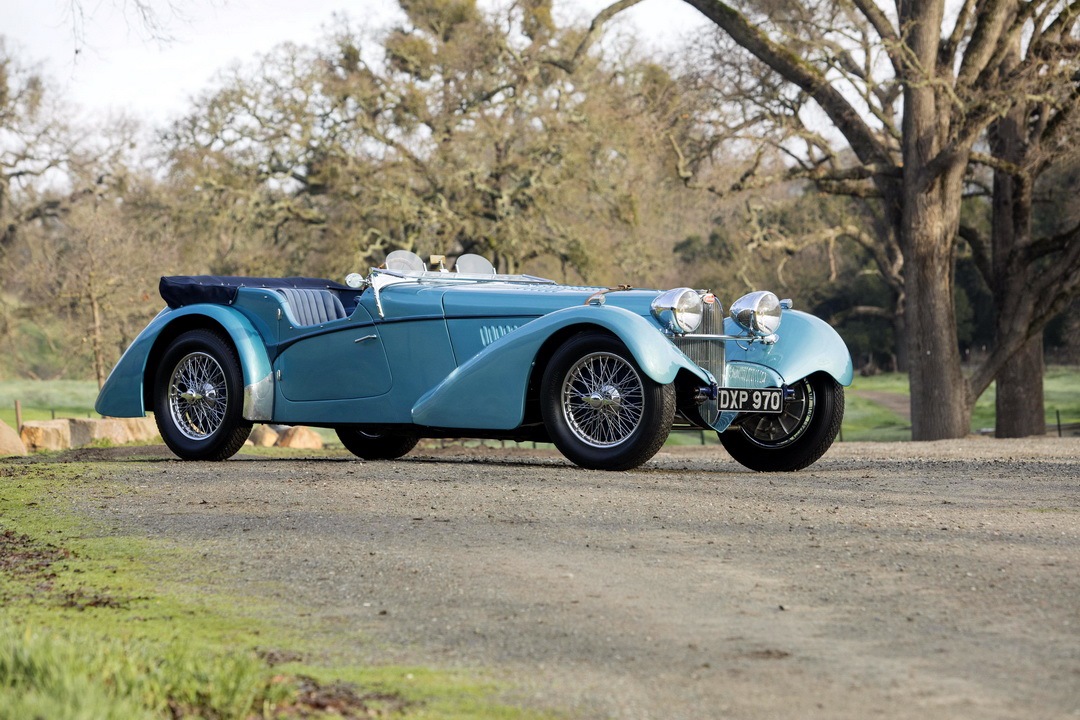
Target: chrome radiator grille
708,354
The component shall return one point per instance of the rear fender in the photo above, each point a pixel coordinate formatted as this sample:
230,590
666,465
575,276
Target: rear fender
124,391
489,390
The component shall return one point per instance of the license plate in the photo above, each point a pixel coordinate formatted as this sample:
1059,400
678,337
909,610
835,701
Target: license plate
759,400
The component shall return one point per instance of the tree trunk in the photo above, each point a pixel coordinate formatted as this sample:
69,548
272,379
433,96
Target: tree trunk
96,341
939,403
900,340
929,223
1019,400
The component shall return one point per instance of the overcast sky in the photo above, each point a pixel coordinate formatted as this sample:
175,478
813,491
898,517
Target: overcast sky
119,68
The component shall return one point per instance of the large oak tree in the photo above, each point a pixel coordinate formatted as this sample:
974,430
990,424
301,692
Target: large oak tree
912,88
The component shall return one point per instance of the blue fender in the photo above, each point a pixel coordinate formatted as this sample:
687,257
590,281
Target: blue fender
488,391
806,345
122,394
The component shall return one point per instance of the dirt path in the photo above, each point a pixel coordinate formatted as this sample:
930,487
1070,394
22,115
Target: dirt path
889,580
893,402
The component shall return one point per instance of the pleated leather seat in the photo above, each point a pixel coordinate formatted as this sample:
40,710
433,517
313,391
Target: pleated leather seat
312,307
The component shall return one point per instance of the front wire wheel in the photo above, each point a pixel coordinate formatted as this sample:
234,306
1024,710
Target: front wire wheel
198,397
600,409
794,438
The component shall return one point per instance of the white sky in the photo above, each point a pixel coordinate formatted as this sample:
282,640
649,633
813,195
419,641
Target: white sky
119,68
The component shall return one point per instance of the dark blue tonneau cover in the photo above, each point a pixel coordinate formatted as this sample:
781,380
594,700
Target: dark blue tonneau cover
180,290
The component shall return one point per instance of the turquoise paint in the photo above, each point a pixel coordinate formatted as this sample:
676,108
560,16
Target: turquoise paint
488,390
469,370
346,362
806,345
122,394
419,355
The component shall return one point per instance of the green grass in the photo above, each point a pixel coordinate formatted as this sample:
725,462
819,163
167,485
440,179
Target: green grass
869,420
45,399
99,623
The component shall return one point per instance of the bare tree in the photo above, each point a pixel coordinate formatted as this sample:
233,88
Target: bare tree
911,91
463,132
1039,131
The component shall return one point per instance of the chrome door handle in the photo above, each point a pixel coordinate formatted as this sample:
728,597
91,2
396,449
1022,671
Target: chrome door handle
366,337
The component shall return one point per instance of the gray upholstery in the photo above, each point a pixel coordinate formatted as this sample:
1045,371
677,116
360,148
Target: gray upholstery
311,307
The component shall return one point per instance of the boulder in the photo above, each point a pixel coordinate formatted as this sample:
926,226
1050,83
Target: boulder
263,436
142,429
115,431
300,437
46,435
10,442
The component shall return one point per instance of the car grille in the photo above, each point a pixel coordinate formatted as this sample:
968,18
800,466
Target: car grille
708,354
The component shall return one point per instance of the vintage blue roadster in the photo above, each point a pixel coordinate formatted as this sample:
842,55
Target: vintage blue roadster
410,352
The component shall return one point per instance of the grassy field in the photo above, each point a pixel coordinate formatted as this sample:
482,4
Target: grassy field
865,418
43,400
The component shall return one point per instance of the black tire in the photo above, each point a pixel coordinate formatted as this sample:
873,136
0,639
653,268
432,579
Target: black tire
375,446
599,408
795,438
199,397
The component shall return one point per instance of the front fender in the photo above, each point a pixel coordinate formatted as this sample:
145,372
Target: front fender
806,345
122,394
489,390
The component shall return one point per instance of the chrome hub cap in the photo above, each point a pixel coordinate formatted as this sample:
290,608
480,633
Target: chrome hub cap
602,400
197,396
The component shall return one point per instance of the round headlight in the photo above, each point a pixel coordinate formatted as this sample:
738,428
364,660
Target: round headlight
759,312
678,310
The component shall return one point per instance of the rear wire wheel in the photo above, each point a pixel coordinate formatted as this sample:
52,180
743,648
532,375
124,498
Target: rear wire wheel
795,438
375,446
199,397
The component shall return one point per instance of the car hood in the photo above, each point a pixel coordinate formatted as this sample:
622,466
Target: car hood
517,300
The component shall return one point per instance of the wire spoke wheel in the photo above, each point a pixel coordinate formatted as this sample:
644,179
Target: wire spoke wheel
599,408
372,445
794,438
602,400
198,396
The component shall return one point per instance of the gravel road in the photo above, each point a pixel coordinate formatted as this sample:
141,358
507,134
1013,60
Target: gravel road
907,580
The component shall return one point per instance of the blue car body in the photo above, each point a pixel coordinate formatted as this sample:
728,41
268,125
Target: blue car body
442,354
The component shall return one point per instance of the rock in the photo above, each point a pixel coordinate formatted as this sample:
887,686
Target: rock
300,437
87,431
10,442
142,429
46,435
263,436
115,431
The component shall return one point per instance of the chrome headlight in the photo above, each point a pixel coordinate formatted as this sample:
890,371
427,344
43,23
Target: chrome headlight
678,310
759,312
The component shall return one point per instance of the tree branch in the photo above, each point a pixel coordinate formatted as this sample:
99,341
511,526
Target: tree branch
569,65
785,62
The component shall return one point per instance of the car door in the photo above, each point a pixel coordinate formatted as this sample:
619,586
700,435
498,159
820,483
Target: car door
339,360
